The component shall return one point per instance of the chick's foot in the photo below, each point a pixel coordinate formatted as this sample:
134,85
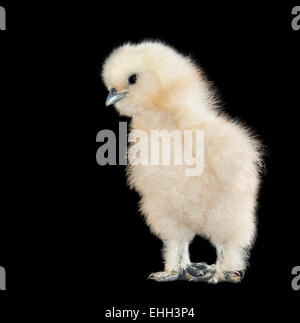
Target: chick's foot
164,276
194,272
226,276
203,268
198,272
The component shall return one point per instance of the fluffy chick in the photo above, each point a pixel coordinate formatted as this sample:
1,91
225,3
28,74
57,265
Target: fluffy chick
162,89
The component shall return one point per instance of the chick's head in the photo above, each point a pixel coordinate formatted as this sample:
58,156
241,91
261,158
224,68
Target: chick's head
149,75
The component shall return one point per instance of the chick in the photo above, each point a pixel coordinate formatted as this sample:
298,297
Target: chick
161,89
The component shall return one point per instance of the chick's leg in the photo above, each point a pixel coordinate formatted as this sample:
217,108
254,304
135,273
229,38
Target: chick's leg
203,269
178,266
176,258
230,264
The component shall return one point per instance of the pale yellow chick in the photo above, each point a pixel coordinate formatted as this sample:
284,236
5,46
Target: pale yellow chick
162,89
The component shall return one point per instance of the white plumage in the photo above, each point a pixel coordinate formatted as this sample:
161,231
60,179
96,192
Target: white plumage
161,89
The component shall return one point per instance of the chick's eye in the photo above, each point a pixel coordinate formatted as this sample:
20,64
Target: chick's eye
132,79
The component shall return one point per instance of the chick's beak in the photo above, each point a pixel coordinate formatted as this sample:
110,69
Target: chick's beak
114,97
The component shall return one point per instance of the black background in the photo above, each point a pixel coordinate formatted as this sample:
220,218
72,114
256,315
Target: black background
67,220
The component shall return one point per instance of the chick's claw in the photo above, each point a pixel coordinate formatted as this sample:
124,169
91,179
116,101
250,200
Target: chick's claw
204,267
233,276
194,274
227,276
194,271
164,276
